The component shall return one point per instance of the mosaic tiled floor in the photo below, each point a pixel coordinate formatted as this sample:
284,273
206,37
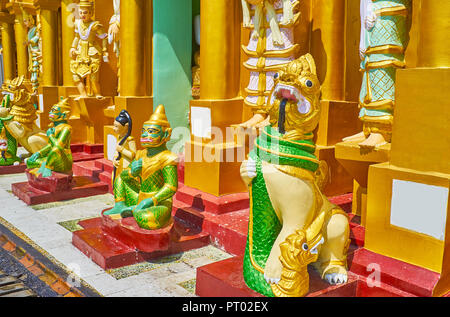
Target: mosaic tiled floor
49,228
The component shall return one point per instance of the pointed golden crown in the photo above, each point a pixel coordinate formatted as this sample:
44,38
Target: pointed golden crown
64,105
159,117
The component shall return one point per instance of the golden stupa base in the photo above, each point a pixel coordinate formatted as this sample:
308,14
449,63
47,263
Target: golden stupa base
88,118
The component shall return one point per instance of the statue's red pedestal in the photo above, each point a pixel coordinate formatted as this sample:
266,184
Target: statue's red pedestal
58,187
12,169
113,243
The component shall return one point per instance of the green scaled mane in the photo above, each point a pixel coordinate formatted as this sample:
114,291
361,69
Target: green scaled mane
9,155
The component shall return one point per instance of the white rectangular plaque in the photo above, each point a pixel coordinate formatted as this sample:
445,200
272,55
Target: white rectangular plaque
201,122
419,207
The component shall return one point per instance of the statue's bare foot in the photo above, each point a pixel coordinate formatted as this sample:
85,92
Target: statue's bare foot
273,270
263,124
335,274
357,137
374,140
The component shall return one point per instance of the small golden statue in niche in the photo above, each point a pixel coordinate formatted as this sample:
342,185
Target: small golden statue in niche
87,52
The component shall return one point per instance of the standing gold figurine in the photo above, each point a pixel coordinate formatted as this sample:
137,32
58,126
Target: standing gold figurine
86,51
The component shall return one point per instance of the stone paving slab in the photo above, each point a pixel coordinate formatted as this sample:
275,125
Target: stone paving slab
48,227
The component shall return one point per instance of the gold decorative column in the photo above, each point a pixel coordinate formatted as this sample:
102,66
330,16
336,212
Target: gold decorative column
67,36
136,19
331,47
48,90
434,34
206,164
20,33
49,29
7,31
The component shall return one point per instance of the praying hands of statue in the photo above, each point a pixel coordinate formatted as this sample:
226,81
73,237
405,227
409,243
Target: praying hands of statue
145,204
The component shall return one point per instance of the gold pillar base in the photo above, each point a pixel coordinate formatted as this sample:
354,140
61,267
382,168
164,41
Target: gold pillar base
88,119
212,163
67,91
213,168
398,242
340,181
338,119
359,203
47,96
357,161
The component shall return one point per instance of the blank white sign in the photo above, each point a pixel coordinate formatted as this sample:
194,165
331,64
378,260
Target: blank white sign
201,122
419,207
111,145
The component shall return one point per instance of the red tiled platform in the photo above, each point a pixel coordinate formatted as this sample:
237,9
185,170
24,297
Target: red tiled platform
116,243
13,169
225,279
57,188
228,231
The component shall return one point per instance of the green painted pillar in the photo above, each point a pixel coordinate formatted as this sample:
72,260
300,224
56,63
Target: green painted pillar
172,60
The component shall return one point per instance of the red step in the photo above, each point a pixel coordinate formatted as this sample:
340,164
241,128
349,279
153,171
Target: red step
84,187
120,246
86,168
104,165
13,169
225,279
228,231
401,275
86,152
206,202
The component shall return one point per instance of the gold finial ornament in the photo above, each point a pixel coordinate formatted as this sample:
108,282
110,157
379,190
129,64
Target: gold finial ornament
86,4
159,117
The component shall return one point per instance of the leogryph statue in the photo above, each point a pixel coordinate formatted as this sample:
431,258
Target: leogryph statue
384,38
56,156
288,229
21,118
87,52
144,190
8,145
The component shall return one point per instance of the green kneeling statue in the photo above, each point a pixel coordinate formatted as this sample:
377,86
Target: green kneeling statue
145,189
56,156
